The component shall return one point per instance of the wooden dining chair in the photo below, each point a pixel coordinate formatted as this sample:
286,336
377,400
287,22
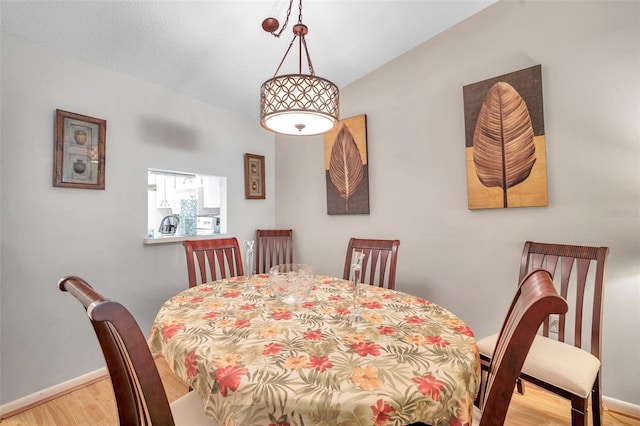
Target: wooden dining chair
213,259
140,395
379,263
273,247
536,298
565,358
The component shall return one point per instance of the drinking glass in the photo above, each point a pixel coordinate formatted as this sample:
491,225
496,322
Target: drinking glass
356,269
250,269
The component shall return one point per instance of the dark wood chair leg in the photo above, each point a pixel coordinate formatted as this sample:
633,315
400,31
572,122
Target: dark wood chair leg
596,402
520,386
484,369
579,411
483,382
476,401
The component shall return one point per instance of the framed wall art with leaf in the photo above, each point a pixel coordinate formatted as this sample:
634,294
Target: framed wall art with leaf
505,141
347,167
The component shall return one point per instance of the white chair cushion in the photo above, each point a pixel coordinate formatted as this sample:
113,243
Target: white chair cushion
188,410
560,364
477,414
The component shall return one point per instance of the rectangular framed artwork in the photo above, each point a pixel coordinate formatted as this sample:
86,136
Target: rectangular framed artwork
254,177
505,141
347,167
79,151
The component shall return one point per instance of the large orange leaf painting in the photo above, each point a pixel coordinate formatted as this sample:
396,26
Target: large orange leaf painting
506,156
346,167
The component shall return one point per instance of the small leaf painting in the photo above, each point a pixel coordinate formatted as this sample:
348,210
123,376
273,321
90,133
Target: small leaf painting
506,157
346,167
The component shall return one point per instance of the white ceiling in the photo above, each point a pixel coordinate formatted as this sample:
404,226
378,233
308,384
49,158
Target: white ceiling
216,50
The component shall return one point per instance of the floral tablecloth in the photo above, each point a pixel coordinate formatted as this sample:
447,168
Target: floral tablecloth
257,362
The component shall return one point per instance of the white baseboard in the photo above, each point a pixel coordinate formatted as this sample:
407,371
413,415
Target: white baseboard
616,405
622,407
50,393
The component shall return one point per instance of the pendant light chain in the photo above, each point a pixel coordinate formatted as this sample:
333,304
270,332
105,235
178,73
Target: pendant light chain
298,31
286,20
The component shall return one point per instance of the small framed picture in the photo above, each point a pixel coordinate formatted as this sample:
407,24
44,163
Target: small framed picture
254,176
79,151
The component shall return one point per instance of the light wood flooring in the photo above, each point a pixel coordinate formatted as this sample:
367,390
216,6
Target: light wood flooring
94,405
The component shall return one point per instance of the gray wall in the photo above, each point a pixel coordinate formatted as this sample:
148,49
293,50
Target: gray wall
468,260
49,232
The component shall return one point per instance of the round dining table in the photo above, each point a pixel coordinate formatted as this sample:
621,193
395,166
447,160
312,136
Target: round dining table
255,361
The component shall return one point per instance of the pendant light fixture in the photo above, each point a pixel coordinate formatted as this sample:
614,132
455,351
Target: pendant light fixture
297,104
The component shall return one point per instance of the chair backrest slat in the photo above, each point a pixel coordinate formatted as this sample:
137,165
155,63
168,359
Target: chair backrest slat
379,263
273,247
216,259
578,283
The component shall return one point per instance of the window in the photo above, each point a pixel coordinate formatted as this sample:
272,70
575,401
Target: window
183,204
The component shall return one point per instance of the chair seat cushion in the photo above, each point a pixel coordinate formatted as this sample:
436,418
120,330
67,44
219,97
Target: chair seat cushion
560,364
188,410
477,414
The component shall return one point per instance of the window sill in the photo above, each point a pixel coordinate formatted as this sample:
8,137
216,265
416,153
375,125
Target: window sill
166,239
